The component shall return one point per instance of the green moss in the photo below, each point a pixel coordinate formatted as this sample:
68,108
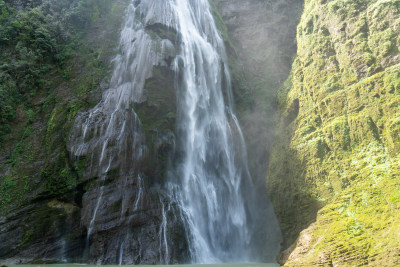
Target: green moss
95,14
20,149
158,111
373,127
28,238
346,77
37,164
219,22
43,221
7,186
79,166
57,175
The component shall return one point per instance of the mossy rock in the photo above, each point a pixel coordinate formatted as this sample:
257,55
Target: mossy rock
37,164
340,153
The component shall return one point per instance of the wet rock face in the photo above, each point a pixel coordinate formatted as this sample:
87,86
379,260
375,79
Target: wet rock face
131,226
263,33
49,232
124,144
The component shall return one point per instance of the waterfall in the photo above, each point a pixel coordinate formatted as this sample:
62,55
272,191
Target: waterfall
211,179
208,188
110,140
110,134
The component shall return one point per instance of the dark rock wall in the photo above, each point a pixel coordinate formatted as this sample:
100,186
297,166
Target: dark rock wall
125,144
261,46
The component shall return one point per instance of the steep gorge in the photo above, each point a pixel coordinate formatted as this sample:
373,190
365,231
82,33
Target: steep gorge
111,207
323,128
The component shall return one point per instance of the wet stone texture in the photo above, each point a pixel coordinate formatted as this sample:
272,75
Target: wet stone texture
124,144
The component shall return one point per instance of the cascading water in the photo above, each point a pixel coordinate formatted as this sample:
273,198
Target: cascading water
212,179
208,189
110,133
110,140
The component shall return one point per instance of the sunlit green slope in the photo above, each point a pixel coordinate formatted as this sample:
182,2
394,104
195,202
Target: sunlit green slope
335,168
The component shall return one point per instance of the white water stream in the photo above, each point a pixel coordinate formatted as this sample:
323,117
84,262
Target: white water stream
212,178
209,181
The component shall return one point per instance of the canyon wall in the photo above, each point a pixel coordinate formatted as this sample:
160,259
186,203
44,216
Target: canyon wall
318,101
333,173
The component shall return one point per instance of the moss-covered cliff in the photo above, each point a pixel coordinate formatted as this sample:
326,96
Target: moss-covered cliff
334,169
54,62
57,65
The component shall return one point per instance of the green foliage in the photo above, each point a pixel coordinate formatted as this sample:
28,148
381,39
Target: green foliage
7,184
19,148
43,45
37,40
341,153
42,221
58,176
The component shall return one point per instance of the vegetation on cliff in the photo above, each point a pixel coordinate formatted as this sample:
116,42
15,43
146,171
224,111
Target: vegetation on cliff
334,168
51,66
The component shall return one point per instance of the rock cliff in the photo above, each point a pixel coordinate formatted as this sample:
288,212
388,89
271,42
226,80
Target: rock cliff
59,205
261,44
260,39
333,173
321,122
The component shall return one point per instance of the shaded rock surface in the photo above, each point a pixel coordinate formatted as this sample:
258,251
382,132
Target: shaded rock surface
261,36
260,41
49,232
